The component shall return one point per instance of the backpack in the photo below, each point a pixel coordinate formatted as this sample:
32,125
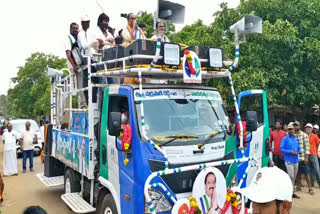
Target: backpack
76,53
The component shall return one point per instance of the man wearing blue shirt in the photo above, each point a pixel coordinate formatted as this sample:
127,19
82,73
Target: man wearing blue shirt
290,148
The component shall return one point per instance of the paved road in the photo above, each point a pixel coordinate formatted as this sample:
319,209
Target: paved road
25,190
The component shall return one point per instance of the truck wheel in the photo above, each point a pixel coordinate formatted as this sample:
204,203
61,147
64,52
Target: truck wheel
71,184
108,205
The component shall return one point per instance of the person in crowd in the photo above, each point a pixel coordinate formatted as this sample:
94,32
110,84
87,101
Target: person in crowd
290,147
34,210
285,127
27,139
275,142
313,158
142,26
10,138
303,157
315,130
42,128
160,32
1,188
132,32
104,36
267,200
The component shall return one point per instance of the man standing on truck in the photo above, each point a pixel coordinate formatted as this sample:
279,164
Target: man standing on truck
275,142
10,138
27,139
70,43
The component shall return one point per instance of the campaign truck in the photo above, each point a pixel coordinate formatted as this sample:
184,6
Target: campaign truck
138,148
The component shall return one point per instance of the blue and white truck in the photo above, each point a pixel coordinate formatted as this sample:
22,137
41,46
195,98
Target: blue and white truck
139,148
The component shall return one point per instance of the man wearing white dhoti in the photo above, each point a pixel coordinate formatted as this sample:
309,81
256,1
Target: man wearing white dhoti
10,138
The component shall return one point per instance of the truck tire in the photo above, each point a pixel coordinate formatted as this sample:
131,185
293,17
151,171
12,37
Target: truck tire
71,184
108,205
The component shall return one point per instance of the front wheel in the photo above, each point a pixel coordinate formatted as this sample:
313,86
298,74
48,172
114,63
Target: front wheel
108,205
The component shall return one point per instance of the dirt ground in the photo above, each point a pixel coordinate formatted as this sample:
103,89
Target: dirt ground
25,190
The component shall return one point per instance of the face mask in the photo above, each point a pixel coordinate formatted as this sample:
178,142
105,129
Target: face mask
124,119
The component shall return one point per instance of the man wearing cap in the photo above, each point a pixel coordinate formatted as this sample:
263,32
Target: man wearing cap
275,142
85,36
316,130
313,158
270,191
303,157
290,147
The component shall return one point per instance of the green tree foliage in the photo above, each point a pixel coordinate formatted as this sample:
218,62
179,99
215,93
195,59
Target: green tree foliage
3,105
31,95
284,60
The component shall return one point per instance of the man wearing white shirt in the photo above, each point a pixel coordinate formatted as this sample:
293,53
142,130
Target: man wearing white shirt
27,139
160,32
85,36
104,37
10,138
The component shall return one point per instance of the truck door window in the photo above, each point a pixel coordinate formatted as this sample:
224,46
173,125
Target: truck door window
119,103
252,103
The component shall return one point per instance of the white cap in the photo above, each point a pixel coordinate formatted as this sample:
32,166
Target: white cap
269,184
308,125
316,126
85,18
291,123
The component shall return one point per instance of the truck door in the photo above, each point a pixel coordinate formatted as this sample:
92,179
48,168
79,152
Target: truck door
112,167
258,145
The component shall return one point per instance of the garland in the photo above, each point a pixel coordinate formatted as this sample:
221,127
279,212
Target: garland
231,200
194,208
189,62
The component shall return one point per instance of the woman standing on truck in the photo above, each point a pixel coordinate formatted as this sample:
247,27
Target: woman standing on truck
132,32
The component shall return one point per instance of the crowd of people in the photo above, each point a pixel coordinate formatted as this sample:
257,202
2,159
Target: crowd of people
297,152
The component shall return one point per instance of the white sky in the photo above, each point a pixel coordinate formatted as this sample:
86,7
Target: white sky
30,26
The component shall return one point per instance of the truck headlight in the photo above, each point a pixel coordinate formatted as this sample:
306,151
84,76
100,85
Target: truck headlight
159,201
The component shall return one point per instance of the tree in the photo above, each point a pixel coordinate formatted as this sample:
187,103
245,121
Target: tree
3,105
30,97
284,60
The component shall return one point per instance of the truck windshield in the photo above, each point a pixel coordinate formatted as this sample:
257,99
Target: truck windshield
196,117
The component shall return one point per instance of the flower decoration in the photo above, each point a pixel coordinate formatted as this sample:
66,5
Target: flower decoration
189,62
231,200
194,208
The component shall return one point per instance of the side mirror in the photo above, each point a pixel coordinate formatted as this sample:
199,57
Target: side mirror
252,121
114,124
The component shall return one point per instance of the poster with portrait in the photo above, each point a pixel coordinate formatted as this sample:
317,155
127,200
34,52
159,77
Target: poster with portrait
210,191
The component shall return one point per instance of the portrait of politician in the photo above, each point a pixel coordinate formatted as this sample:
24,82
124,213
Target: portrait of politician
208,202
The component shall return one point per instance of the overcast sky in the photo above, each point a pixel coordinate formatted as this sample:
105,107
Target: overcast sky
30,26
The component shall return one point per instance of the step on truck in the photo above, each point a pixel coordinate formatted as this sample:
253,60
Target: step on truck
139,148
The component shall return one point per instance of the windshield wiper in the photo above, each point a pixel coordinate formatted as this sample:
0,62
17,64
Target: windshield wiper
205,141
177,136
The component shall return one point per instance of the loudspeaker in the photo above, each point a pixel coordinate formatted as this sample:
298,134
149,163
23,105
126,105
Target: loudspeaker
170,11
51,72
248,25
